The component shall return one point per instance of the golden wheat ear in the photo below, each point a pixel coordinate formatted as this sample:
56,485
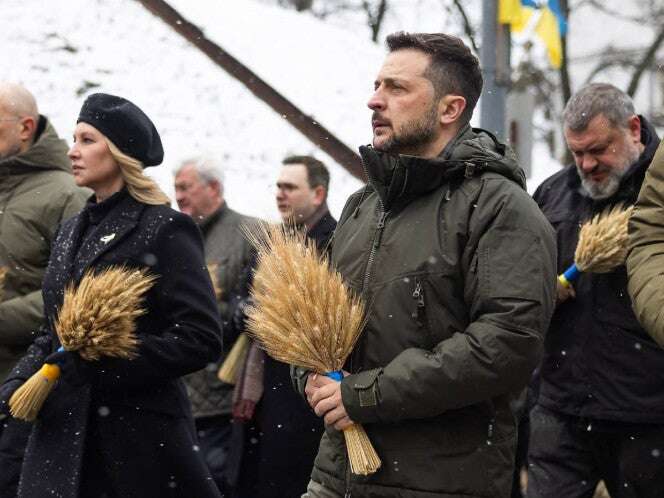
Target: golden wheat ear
303,314
603,240
98,318
230,368
3,274
213,270
28,399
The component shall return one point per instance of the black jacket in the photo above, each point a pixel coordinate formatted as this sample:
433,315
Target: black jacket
598,363
124,426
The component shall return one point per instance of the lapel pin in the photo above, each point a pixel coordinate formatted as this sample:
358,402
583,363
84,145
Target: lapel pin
107,238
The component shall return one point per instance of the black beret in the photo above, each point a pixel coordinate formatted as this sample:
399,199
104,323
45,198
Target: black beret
125,125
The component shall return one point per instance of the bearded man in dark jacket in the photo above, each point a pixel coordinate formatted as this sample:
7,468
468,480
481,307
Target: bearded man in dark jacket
600,411
457,266
37,193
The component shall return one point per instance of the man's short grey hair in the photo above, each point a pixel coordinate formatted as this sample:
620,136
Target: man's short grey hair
595,99
208,169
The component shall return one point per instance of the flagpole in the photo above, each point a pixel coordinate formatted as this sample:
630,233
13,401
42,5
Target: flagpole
495,59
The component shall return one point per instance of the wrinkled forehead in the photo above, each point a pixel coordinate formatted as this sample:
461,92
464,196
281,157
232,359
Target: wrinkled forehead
187,173
599,130
293,174
404,64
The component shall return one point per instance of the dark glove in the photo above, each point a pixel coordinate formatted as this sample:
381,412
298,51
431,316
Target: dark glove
73,369
6,391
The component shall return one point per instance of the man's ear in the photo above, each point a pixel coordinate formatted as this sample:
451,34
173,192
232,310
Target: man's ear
634,126
28,127
215,186
450,108
319,195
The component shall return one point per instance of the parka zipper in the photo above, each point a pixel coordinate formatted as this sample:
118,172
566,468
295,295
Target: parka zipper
378,235
421,314
418,294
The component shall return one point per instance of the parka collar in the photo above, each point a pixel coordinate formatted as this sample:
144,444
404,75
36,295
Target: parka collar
205,224
399,179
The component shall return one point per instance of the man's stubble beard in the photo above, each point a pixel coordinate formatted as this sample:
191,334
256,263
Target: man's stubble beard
413,135
13,151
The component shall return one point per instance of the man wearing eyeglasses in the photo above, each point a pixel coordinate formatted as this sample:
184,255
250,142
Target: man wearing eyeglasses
37,192
302,195
284,433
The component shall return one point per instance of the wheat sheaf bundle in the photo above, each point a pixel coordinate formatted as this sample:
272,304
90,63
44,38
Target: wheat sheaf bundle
97,318
213,270
3,274
304,315
602,244
603,241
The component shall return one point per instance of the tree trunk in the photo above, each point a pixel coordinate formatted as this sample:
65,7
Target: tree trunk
565,82
310,128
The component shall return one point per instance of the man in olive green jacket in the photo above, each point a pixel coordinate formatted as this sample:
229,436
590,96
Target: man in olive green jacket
37,192
457,266
645,262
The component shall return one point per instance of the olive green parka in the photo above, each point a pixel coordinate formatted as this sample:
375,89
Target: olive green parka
37,192
458,268
645,262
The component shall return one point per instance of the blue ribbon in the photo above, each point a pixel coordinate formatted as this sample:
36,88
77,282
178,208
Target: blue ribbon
572,273
336,375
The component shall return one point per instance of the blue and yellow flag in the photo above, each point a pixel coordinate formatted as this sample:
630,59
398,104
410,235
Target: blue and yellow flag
543,17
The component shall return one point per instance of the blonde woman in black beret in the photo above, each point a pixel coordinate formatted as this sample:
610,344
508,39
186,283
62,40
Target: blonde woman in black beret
114,427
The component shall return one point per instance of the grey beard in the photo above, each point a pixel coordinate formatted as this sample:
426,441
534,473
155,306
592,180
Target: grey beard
605,189
610,186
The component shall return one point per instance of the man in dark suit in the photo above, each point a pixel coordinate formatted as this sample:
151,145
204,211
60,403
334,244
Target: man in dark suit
282,440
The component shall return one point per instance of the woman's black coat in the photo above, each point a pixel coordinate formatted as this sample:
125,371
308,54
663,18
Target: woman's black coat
123,427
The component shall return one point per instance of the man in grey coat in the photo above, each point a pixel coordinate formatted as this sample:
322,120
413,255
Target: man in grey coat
199,192
37,193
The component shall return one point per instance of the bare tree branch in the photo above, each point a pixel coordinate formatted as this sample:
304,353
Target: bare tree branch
565,79
600,5
375,19
645,62
467,26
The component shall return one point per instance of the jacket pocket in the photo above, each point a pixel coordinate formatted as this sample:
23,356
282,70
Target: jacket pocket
512,265
420,312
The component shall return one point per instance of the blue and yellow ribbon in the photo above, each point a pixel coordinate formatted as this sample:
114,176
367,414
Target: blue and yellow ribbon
569,275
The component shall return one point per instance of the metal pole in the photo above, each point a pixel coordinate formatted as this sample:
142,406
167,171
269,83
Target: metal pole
495,60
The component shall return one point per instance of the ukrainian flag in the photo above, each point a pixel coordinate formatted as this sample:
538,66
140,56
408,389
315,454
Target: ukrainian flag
543,17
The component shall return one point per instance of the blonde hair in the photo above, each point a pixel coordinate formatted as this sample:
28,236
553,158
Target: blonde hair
141,187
